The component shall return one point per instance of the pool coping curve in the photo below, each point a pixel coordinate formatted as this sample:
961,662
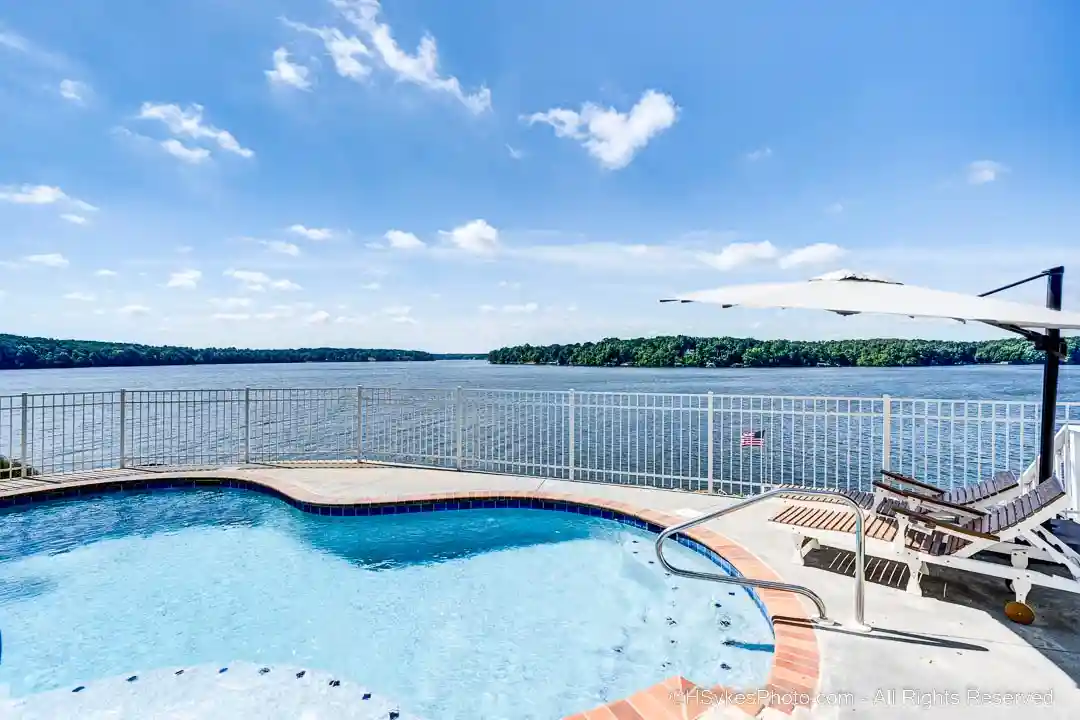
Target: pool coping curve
793,678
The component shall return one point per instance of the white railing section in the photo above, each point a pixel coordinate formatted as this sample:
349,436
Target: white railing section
684,441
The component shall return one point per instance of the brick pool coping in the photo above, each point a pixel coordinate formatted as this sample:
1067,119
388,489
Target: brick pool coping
796,669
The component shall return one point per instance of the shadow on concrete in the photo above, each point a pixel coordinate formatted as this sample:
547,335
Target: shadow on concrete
1055,632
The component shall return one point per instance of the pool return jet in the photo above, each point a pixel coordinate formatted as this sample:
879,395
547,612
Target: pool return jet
845,292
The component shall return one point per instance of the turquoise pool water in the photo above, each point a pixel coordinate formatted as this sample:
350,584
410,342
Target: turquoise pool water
480,613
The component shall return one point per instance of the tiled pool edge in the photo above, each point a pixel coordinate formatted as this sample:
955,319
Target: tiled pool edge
793,678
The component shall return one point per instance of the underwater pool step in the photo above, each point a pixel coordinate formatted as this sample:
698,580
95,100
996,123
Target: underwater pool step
235,690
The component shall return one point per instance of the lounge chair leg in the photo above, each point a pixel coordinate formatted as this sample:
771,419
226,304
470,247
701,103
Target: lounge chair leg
803,545
1019,559
916,568
1021,587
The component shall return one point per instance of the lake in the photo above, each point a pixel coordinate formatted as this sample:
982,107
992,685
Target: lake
991,382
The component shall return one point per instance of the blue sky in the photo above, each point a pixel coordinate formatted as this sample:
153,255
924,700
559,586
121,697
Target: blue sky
459,176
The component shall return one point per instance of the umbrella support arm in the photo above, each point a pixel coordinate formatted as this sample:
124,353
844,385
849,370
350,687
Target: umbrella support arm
1053,345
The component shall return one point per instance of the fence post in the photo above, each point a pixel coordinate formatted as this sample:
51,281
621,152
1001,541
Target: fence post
22,448
359,423
886,434
123,428
573,451
709,440
247,425
459,426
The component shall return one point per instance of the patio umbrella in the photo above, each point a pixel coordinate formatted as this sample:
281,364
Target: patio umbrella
850,293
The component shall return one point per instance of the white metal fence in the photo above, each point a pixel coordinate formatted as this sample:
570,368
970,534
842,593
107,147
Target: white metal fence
685,441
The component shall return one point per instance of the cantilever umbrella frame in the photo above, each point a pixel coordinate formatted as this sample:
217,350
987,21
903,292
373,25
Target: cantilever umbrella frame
1049,341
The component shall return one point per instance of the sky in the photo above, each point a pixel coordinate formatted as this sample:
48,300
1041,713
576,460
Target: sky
460,176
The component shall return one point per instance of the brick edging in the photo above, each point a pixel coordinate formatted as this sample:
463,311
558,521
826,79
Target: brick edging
793,678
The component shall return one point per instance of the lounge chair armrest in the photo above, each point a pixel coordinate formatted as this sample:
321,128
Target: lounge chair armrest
902,479
930,523
931,503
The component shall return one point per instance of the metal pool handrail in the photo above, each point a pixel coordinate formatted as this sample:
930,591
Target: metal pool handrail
823,618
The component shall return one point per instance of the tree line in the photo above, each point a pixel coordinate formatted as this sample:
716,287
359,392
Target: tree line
20,352
684,351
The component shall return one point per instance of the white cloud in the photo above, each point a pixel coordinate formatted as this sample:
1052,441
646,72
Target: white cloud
180,151
515,154
231,303
184,279
41,195
835,209
105,273
404,319
312,233
252,279
475,236
759,154
350,320
48,260
227,316
487,308
612,137
519,309
397,310
508,284
13,41
74,90
80,297
816,254
319,317
284,285
74,219
370,286
188,122
132,310
401,240
738,254
280,246
288,73
981,172
344,50
421,68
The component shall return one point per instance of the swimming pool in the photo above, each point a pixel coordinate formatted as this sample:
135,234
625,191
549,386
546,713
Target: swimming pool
496,612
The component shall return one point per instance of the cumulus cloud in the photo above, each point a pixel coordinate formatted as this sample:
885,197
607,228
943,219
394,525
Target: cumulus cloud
312,233
981,172
256,281
180,151
74,219
286,73
41,195
73,90
355,58
80,297
475,236
610,136
132,310
104,272
189,122
816,254
231,303
400,240
184,279
759,154
55,260
739,254
521,309
282,247
319,317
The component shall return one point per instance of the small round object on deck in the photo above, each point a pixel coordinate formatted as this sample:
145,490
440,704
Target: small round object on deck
1019,612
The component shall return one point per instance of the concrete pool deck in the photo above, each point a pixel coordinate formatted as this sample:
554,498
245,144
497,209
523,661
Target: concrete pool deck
940,654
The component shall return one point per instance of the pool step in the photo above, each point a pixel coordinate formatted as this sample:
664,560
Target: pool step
233,690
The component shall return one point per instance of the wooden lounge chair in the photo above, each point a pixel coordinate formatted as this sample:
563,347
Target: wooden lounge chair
919,539
1000,488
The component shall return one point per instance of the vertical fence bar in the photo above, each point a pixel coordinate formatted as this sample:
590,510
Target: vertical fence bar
886,433
709,441
123,428
247,425
459,426
359,423
22,450
570,408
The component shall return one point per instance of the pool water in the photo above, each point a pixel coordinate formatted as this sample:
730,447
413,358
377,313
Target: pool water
492,613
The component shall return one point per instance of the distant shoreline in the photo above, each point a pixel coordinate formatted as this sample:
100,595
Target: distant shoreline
730,352
19,352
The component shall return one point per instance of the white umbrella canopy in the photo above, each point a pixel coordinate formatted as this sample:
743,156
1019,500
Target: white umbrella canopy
850,293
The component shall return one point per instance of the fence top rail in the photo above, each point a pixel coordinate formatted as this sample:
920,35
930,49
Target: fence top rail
897,402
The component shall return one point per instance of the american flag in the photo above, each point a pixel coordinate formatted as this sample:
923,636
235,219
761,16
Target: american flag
753,438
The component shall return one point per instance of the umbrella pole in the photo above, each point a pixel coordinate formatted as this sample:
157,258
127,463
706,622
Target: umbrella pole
1051,368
